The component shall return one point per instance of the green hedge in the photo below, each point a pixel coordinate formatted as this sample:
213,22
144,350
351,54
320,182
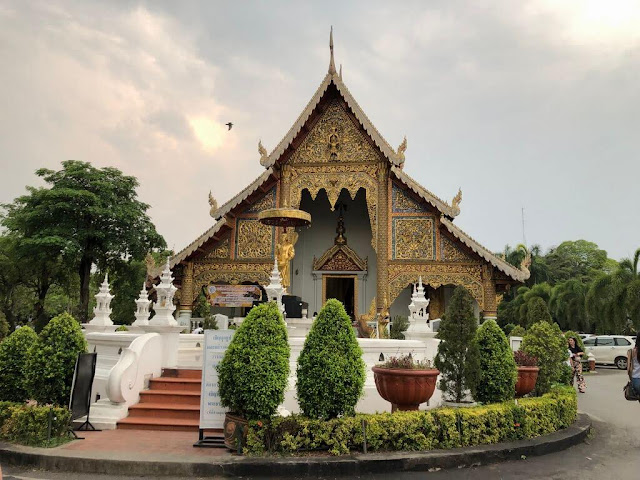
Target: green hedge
440,428
28,425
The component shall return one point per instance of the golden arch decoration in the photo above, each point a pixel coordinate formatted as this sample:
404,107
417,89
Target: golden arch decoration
333,180
435,280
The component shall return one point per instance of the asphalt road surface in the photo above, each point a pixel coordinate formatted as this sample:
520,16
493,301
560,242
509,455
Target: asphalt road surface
611,453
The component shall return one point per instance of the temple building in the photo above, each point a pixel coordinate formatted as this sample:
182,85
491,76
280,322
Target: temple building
374,230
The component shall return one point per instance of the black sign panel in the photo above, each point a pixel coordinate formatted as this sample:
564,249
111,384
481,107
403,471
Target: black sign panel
81,386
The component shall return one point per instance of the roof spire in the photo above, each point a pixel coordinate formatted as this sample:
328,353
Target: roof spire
332,65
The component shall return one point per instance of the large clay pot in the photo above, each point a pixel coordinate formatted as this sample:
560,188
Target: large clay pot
406,389
232,423
527,377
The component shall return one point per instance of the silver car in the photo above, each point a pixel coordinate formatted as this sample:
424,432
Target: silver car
609,349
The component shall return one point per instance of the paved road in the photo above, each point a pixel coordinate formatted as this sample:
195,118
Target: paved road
612,453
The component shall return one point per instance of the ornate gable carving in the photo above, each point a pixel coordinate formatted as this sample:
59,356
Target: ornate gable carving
340,258
263,203
402,202
452,252
221,250
335,138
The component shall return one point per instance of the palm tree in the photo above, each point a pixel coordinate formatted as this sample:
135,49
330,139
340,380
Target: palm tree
614,299
567,305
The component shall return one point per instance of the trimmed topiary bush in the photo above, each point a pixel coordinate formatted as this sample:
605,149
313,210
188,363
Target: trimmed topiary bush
457,356
52,360
518,331
29,424
331,371
546,342
497,373
253,374
508,328
13,358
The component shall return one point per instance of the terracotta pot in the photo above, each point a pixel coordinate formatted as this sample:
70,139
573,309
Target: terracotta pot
527,377
232,423
406,389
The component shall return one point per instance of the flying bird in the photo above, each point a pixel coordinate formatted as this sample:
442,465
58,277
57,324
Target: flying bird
229,125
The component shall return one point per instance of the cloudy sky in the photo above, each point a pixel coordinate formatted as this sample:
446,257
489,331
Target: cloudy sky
530,104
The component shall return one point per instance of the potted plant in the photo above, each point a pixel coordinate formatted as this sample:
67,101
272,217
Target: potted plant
253,373
527,372
405,382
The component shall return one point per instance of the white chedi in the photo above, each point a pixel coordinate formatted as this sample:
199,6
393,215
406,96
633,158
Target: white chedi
142,308
164,306
275,290
419,325
102,310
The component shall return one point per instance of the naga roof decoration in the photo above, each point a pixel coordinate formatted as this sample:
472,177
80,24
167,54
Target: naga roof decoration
493,259
243,195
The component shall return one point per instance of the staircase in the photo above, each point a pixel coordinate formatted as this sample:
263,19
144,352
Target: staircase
171,403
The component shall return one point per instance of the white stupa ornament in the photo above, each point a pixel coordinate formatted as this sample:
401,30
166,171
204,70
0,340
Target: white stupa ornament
164,306
142,308
419,316
275,290
102,310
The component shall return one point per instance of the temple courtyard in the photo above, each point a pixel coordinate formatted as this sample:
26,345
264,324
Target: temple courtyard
611,450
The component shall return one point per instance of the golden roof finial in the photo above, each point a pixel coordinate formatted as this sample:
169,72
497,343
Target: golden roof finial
400,153
455,203
332,65
264,156
213,204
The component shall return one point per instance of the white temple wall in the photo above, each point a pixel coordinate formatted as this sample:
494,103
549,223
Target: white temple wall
319,237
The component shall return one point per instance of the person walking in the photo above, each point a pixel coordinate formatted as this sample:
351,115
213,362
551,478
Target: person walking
575,358
633,367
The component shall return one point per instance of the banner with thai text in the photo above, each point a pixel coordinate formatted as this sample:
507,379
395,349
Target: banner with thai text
211,410
233,295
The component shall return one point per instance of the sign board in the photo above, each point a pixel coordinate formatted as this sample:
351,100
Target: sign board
233,295
211,410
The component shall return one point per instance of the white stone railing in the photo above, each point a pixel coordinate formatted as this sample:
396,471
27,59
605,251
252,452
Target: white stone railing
126,362
190,347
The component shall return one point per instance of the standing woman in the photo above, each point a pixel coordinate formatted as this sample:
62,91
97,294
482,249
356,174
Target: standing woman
576,364
633,366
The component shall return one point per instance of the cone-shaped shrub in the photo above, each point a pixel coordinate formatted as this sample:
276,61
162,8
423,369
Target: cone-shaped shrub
331,371
456,358
537,311
253,374
52,360
518,332
497,373
13,358
546,342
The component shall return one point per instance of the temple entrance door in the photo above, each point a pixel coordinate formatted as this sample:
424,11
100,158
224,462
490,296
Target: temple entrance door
343,288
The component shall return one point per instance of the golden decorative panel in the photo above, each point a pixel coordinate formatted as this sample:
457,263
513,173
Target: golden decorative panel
264,203
436,275
253,239
220,251
335,138
452,252
340,258
413,238
333,178
403,202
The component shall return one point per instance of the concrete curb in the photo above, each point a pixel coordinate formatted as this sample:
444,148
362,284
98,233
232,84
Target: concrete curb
355,464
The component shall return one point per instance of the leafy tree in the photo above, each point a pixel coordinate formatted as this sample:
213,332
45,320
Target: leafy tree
127,278
539,291
537,312
202,309
496,377
518,331
398,327
568,305
331,372
580,259
508,328
253,373
52,360
457,357
614,298
546,342
14,352
4,326
87,216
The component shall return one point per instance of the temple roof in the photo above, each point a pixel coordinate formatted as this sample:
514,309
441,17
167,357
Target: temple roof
442,206
490,257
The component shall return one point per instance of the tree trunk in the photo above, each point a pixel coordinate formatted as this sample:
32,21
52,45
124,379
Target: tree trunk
41,319
85,278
